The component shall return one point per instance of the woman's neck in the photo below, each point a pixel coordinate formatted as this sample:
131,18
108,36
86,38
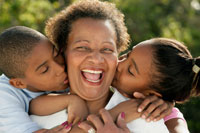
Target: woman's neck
95,106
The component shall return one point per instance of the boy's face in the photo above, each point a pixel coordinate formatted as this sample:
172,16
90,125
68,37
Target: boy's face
133,70
45,69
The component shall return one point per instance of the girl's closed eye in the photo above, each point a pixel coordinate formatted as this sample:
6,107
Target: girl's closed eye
129,71
45,70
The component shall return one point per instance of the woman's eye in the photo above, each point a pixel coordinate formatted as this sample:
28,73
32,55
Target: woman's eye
129,71
45,70
107,50
83,48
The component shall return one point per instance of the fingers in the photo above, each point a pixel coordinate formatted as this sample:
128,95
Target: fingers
60,129
71,118
76,120
162,115
96,121
105,115
138,95
160,110
154,109
146,102
166,110
85,126
121,123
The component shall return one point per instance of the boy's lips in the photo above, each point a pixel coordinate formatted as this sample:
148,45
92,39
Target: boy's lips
66,81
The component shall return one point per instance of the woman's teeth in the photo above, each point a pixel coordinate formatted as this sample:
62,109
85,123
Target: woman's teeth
92,75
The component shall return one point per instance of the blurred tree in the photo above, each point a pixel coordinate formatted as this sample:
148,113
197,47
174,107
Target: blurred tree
31,13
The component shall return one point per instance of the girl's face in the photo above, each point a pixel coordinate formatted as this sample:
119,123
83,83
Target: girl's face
91,57
133,71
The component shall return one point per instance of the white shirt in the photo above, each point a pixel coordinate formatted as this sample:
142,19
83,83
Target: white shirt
135,126
139,125
14,105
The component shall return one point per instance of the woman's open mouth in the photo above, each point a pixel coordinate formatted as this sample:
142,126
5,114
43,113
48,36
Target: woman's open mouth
92,76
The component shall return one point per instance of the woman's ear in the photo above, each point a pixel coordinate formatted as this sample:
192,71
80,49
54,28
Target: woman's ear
149,92
18,83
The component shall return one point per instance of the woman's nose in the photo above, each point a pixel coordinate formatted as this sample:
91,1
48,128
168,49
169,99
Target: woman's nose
96,58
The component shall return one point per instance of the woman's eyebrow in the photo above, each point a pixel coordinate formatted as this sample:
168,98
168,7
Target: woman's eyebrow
109,42
135,65
77,41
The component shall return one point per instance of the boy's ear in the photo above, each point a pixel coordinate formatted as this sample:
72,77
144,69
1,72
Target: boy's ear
18,83
149,92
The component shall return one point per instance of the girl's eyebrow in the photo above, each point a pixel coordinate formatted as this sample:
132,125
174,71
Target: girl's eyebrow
135,65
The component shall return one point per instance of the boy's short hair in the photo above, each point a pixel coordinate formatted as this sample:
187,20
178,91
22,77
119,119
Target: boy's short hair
16,43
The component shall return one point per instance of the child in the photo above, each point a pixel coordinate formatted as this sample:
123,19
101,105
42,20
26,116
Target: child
29,60
159,66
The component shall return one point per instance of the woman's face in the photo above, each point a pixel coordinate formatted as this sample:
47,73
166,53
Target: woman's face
91,57
133,71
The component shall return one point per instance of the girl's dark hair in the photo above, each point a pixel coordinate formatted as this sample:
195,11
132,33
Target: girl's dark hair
173,76
59,26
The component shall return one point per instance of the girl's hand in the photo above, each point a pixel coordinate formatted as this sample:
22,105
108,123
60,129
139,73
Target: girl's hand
153,107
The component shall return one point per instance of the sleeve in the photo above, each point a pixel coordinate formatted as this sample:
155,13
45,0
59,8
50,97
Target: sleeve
174,114
50,121
141,126
13,117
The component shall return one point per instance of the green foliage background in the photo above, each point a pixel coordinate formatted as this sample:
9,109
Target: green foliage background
178,19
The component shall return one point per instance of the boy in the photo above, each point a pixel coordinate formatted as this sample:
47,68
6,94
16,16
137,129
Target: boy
30,65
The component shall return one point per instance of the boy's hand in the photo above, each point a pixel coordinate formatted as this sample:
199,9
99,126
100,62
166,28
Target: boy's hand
64,128
77,109
153,107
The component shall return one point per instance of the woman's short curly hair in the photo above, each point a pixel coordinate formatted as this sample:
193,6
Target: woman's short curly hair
58,27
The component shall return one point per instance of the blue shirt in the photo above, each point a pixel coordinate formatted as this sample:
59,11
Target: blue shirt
14,106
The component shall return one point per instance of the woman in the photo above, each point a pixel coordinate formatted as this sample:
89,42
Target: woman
90,33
